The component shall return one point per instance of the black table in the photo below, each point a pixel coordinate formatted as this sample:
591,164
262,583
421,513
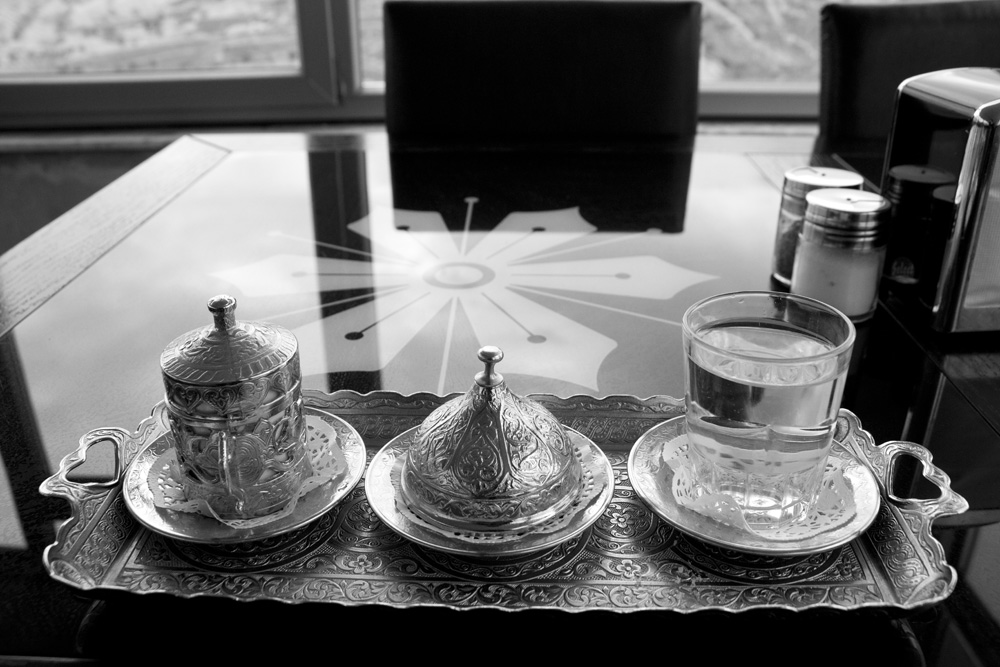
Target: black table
392,268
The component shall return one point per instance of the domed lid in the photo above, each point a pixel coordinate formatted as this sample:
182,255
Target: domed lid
227,351
490,460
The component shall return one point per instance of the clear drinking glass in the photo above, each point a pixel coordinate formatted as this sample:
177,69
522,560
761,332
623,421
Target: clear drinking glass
764,378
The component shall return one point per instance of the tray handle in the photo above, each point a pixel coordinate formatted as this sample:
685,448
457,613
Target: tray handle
947,503
60,484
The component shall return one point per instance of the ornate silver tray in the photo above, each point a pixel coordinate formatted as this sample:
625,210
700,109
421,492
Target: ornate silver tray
629,559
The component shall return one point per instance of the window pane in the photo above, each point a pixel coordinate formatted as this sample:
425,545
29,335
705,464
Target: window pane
771,41
145,37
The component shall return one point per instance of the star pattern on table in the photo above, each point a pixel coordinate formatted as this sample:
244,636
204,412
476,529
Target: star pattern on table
419,270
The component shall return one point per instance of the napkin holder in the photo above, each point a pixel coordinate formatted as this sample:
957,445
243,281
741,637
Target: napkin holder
947,120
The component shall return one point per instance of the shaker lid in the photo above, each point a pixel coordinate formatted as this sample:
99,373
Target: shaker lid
906,180
801,180
846,209
227,351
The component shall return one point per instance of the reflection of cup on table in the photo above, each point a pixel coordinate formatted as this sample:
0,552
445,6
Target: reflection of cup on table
764,376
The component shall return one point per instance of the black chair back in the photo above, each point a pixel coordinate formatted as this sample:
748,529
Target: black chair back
538,72
867,51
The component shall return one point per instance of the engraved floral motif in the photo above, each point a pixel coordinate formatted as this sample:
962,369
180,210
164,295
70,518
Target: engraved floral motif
111,530
628,568
363,563
489,458
249,557
755,568
551,561
205,356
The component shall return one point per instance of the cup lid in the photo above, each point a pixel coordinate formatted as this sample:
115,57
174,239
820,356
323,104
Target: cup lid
227,351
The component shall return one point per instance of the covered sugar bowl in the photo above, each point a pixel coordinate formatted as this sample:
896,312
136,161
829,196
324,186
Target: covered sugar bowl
234,405
490,472
490,459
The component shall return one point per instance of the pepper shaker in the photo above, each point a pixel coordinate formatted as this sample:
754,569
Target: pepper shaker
910,191
942,224
797,184
842,250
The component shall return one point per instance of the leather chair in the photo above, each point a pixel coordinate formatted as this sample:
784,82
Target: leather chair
867,51
540,72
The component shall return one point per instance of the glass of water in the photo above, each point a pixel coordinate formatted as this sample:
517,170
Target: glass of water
764,377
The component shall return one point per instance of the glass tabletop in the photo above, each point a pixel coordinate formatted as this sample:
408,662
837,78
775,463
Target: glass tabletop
393,268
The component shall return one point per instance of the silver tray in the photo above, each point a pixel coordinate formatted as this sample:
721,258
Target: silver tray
629,559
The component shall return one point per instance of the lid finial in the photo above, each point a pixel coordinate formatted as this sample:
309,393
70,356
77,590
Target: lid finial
223,309
491,356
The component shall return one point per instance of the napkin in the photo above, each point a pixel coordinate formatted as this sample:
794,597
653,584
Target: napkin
834,507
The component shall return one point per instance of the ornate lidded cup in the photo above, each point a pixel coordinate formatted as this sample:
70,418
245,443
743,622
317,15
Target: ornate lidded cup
490,460
234,404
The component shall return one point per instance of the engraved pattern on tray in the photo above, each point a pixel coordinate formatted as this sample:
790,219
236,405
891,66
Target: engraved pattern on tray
629,559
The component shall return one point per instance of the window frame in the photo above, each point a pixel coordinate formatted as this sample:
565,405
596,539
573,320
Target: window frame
746,100
329,88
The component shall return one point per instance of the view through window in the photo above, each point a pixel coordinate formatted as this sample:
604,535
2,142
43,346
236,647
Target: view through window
772,44
47,38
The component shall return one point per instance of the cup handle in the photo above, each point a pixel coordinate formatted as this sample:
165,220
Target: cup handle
226,455
947,503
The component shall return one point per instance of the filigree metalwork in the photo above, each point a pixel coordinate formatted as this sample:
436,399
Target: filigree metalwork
233,397
490,460
628,560
383,487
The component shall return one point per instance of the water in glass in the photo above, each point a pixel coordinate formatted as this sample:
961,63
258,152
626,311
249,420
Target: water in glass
760,426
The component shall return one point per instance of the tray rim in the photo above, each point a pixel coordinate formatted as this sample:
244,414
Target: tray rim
911,518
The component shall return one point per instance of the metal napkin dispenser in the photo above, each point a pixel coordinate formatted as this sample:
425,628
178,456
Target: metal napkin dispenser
941,175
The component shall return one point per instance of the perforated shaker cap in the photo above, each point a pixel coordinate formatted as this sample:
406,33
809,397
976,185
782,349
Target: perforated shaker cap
802,180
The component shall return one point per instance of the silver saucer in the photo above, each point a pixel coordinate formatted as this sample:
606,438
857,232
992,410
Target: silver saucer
652,478
192,527
382,488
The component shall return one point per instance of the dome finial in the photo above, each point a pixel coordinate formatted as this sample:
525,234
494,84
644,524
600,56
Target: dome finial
491,356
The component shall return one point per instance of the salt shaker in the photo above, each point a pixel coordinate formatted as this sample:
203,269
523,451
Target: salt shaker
797,184
842,250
